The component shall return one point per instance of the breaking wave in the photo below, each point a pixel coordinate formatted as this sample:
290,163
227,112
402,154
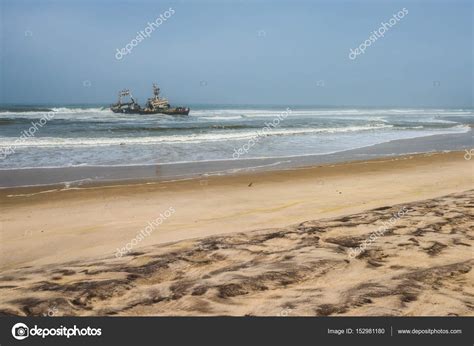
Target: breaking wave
191,138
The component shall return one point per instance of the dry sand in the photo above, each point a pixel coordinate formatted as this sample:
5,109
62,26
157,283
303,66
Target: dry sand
58,246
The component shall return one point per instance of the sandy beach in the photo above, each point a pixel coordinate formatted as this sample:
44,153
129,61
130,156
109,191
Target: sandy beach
236,173
266,243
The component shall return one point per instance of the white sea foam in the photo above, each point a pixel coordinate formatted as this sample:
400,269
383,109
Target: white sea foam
105,114
191,138
57,110
249,113
199,137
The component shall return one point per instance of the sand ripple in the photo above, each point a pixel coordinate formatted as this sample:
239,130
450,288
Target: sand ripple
421,266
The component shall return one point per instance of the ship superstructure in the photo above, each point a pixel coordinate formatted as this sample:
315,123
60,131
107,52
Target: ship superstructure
155,105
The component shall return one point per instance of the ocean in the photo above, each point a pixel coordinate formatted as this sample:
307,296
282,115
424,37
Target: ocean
94,136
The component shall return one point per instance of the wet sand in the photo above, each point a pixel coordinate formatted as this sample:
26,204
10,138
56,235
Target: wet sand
267,243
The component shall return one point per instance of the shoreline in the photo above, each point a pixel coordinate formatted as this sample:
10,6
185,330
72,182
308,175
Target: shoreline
204,179
78,176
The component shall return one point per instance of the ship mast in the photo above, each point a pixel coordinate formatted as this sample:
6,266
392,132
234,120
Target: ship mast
156,91
123,93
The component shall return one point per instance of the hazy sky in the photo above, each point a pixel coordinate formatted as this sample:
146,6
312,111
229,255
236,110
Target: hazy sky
238,52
